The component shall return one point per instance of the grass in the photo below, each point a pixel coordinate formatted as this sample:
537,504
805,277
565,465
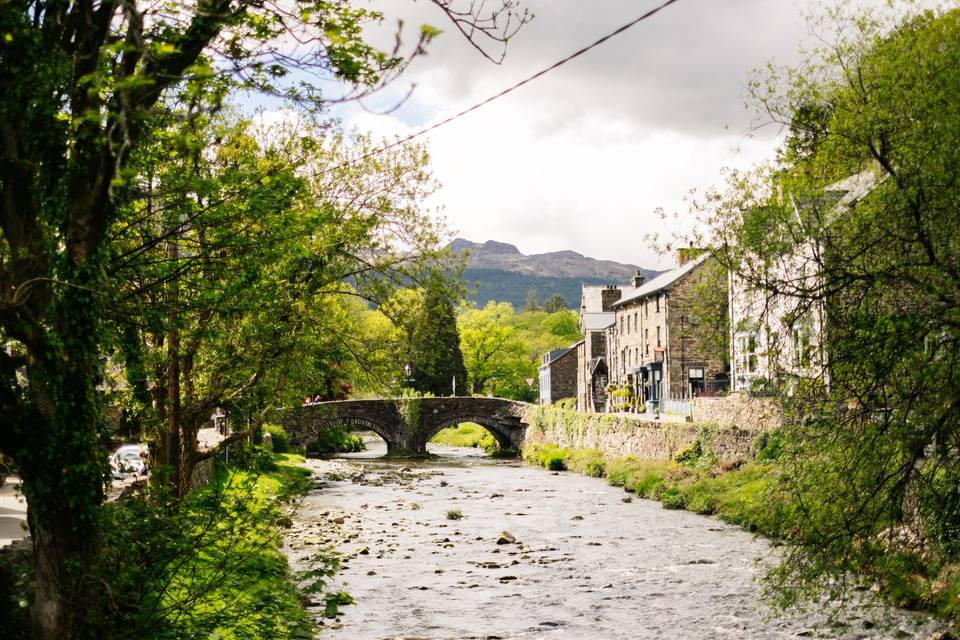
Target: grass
738,496
467,434
454,514
256,596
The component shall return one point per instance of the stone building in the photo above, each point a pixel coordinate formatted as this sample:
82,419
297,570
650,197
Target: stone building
558,374
778,338
596,314
656,346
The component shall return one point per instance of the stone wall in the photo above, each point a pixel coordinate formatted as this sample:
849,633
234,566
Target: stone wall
563,376
619,435
739,410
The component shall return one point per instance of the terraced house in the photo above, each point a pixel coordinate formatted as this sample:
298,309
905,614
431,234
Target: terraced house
596,315
658,346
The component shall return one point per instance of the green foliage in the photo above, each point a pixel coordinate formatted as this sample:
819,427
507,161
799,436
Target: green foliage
206,566
336,440
621,398
555,303
568,404
435,355
769,445
454,514
467,434
502,349
856,223
279,437
547,456
532,304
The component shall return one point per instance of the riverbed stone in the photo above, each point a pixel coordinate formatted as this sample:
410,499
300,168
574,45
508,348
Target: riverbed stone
506,538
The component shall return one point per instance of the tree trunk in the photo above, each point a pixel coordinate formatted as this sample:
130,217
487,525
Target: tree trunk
57,593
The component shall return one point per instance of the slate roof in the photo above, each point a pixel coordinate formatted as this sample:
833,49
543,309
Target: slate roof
597,321
663,281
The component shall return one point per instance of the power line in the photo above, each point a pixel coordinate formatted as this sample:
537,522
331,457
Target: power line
514,87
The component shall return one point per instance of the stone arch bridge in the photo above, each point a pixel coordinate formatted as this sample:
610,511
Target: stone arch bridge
407,424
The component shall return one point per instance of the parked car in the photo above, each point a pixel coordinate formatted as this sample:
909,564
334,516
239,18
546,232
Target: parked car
128,460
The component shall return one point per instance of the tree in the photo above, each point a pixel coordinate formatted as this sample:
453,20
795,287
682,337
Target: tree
435,357
874,437
84,88
532,304
252,305
555,303
494,355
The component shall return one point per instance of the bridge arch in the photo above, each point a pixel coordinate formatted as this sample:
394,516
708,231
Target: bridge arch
312,432
503,437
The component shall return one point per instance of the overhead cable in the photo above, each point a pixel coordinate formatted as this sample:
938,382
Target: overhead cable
514,87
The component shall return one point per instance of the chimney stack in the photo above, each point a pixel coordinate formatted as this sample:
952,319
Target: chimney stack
638,280
610,296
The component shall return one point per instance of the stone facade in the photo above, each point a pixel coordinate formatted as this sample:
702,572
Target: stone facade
558,375
653,346
596,315
779,337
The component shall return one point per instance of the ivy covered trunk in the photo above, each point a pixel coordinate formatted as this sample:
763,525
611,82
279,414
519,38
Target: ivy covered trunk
62,465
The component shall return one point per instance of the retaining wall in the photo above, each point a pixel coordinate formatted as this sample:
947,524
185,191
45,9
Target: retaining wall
731,432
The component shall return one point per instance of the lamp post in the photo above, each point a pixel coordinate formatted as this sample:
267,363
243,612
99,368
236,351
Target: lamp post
683,351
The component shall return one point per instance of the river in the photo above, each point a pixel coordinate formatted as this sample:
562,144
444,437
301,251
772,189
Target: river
588,561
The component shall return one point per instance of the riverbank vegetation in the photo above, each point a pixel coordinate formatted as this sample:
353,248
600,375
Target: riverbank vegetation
209,565
336,440
848,244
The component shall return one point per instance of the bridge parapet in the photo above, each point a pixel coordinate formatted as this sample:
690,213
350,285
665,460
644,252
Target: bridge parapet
409,423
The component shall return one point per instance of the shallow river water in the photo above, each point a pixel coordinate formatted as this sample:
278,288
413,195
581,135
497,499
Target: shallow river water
588,561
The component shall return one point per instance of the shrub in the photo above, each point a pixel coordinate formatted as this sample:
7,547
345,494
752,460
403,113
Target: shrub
566,403
336,440
279,437
769,445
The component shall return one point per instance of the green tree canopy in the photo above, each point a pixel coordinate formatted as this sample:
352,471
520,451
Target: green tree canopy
435,357
862,208
555,303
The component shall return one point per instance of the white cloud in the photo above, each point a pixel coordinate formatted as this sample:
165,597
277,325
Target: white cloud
581,158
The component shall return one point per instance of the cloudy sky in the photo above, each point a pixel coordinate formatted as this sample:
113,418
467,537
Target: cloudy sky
581,158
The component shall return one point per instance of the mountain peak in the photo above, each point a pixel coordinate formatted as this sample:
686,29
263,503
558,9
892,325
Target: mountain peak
500,247
502,273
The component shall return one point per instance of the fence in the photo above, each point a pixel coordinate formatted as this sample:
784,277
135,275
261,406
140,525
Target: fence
676,407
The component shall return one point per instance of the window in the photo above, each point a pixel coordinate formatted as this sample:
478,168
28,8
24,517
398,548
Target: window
658,303
746,352
646,307
646,337
635,318
621,324
658,336
802,349
695,379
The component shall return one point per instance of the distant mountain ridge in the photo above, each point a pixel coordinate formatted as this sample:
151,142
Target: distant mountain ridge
500,272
